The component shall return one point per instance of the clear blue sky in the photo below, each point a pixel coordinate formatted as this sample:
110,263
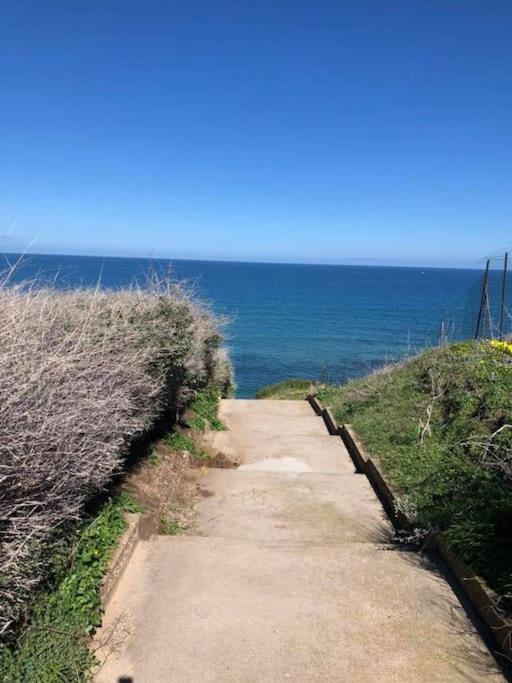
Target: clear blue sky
337,131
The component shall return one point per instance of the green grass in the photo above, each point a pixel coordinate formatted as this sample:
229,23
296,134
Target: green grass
205,408
52,646
440,478
124,501
203,457
288,389
179,442
171,527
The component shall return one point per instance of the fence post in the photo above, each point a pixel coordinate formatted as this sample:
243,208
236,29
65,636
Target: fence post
483,299
503,292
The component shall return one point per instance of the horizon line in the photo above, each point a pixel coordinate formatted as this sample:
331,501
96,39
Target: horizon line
476,266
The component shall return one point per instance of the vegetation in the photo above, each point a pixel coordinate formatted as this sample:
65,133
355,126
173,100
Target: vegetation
84,374
53,644
204,409
170,527
287,389
179,442
441,427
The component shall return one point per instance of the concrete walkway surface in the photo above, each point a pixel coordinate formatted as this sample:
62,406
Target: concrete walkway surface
292,576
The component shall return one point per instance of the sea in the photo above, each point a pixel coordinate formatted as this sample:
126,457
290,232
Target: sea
319,322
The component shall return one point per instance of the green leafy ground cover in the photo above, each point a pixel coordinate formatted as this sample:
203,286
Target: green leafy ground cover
179,442
53,644
441,427
204,409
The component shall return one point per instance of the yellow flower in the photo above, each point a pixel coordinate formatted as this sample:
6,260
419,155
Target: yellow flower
500,345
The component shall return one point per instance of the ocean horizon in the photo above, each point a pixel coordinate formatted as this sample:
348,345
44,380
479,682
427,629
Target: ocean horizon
315,321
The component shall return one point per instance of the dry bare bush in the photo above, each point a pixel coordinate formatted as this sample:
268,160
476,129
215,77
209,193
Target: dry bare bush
82,373
494,454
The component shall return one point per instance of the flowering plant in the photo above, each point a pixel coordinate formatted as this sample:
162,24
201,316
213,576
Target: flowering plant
499,345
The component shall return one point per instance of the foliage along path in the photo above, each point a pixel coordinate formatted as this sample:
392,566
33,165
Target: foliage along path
293,575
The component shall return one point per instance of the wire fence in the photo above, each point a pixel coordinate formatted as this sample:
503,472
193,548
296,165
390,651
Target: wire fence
483,312
486,313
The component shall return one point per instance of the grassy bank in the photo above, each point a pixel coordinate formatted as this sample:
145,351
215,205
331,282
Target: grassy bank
287,389
441,427
84,376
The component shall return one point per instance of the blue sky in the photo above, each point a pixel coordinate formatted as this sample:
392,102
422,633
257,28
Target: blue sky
365,131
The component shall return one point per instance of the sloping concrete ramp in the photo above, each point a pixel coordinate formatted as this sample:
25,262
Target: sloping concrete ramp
292,576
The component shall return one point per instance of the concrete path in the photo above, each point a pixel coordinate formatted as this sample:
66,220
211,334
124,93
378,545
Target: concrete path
292,576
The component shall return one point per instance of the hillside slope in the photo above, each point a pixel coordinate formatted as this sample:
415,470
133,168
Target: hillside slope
441,426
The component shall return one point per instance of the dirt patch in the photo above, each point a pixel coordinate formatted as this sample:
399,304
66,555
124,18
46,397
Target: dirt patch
166,486
165,483
206,493
218,461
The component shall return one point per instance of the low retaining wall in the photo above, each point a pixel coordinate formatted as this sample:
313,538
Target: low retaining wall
315,404
386,496
140,527
354,448
330,422
478,595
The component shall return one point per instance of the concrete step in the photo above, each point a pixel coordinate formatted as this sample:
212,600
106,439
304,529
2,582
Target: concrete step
274,507
293,577
251,407
315,453
276,425
248,418
205,609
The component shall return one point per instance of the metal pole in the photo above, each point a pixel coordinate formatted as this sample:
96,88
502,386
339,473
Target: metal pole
503,290
482,299
489,317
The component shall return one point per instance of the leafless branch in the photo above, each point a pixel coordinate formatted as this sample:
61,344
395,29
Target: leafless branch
82,373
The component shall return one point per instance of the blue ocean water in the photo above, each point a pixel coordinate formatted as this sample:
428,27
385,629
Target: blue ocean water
307,321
